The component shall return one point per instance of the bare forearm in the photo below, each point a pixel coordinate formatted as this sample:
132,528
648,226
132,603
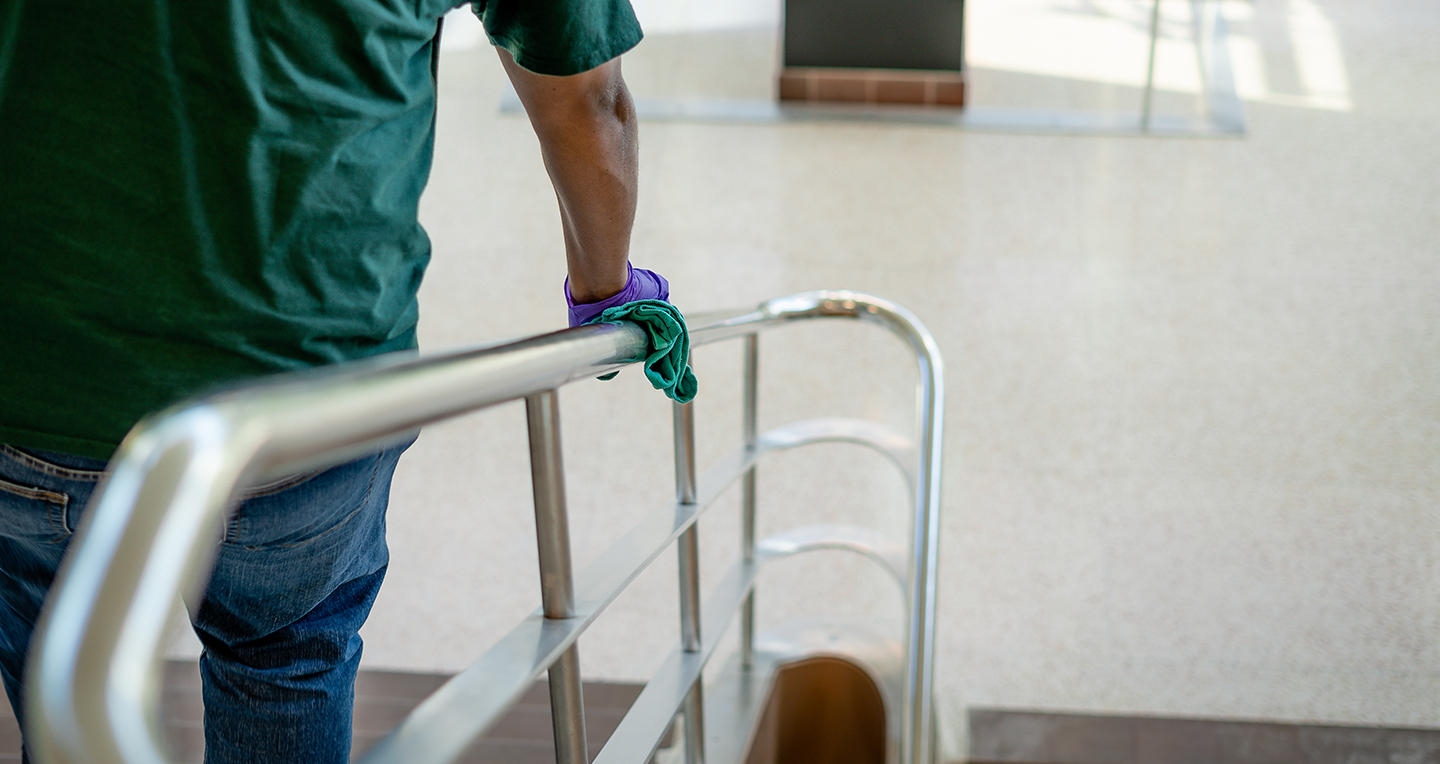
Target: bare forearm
588,137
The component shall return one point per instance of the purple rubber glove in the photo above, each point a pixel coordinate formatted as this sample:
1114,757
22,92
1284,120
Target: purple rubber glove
640,284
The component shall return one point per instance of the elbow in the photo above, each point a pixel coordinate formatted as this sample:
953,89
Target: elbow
606,97
598,98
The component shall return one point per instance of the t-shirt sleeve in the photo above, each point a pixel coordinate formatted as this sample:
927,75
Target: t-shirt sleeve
560,37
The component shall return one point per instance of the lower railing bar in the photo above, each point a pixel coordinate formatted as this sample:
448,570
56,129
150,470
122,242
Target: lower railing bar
600,583
652,713
736,703
645,724
649,716
448,722
866,541
605,577
438,732
864,432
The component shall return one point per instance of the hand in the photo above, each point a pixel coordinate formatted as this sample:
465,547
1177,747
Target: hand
639,285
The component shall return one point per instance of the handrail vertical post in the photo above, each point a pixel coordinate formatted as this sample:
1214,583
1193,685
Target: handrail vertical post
688,552
749,426
917,743
557,580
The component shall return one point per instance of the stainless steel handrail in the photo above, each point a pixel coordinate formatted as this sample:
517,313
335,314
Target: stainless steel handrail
150,537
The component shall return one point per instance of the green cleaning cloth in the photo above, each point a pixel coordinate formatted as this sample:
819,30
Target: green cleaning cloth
667,362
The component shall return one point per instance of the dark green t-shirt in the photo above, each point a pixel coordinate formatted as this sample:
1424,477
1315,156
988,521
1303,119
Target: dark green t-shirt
193,194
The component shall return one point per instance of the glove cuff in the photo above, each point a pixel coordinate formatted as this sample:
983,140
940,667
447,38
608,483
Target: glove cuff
640,284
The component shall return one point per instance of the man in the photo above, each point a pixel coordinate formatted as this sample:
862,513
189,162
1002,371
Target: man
193,194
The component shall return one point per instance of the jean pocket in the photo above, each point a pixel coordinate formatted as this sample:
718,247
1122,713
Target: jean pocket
302,510
34,512
277,486
335,505
43,498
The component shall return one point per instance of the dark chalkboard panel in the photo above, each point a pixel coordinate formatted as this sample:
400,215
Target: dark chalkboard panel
874,34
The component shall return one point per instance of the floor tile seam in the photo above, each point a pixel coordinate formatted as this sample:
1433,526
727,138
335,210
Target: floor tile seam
1143,289
1141,658
1119,717
1148,718
1134,266
1190,476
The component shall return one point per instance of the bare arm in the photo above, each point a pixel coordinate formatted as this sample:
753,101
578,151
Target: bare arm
588,137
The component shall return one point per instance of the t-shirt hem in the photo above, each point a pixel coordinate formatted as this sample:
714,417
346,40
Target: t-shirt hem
563,67
64,444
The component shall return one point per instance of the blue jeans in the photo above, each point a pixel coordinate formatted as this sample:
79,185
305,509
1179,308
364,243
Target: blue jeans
298,569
